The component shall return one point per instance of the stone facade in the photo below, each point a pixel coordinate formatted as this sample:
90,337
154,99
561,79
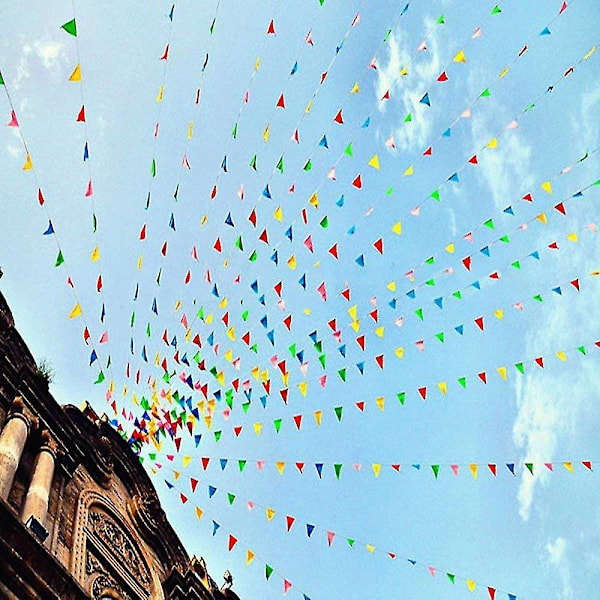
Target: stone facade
79,517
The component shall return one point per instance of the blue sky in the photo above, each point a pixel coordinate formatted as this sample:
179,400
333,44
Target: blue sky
532,536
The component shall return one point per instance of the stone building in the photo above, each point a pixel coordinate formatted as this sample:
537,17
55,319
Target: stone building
79,517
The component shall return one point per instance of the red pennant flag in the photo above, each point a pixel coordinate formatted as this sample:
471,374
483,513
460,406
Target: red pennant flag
183,498
81,115
333,251
143,233
467,263
553,246
288,322
289,521
396,467
271,29
563,8
323,77
246,338
277,287
428,152
492,593
237,430
252,217
492,468
304,216
338,118
86,335
332,324
528,198
361,406
575,284
587,464
443,76
473,159
163,250
205,461
360,340
40,198
346,293
298,421
379,360
99,283
300,466
540,361
386,96
482,376
193,483
374,314
188,277
560,207
357,183
379,245
217,245
423,392
263,237
232,542
281,102
165,55
479,322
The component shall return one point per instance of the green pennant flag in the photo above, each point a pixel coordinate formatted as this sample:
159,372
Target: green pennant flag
516,264
436,470
268,571
59,259
457,294
239,244
234,132
582,350
529,467
485,94
324,222
440,336
519,366
100,378
321,2
538,298
505,239
435,195
350,542
201,313
229,399
197,357
253,256
292,350
218,435
70,27
253,162
419,313
440,20
241,465
450,577
430,260
387,35
212,26
408,118
338,412
401,397
489,223
462,382
280,165
132,320
148,332
153,168
348,150
430,282
338,470
254,348
496,10
1,79
323,359
245,407
277,424
389,191
308,166
342,374
319,346
231,498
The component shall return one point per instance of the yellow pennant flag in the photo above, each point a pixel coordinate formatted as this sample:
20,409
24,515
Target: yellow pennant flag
308,106
28,164
355,326
352,311
199,513
471,585
460,57
376,469
140,262
95,254
231,333
76,74
355,89
547,187
278,214
209,319
443,387
221,377
562,356
493,143
542,218
190,130
380,403
229,355
176,475
374,162
592,50
280,467
572,237
257,64
379,331
503,72
249,556
568,466
186,461
75,312
188,335
203,220
255,372
292,262
449,248
303,387
161,91
264,375
257,428
270,514
399,352
404,71
409,171
397,228
503,372
267,133
474,468
314,200
370,548
318,416
499,314
391,286
208,421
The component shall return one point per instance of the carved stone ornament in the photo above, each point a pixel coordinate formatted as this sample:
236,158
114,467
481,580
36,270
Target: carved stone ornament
120,545
103,585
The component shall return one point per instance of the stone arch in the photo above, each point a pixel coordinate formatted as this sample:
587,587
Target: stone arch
95,516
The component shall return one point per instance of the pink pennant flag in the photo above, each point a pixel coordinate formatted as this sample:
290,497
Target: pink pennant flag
260,465
416,211
331,174
356,20
250,505
476,34
309,39
156,130
466,114
323,380
286,586
330,536
322,291
422,45
13,120
89,191
454,470
390,142
357,466
104,338
432,571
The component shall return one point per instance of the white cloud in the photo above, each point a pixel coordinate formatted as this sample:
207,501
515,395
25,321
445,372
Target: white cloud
50,52
14,151
407,92
557,557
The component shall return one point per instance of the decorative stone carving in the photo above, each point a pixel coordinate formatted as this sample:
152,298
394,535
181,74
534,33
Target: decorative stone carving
102,584
118,542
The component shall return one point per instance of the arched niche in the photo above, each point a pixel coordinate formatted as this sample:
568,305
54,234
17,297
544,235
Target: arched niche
107,558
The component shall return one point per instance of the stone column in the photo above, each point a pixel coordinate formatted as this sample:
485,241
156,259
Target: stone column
38,494
12,441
